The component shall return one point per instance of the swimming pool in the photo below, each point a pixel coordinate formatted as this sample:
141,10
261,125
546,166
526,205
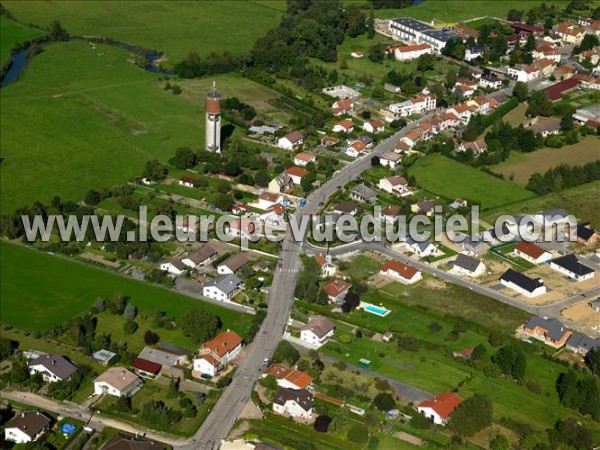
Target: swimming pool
377,310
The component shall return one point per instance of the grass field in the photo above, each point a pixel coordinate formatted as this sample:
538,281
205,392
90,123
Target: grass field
176,28
40,291
12,34
450,179
522,165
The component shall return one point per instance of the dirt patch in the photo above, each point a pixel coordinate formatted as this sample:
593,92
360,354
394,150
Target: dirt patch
582,314
435,283
251,411
403,436
99,259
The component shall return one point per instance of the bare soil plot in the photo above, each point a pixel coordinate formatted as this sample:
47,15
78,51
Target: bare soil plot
583,314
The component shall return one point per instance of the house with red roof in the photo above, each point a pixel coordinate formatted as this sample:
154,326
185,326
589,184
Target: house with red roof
557,90
296,173
145,368
336,290
374,126
215,354
440,408
342,106
343,126
186,181
304,158
290,378
327,267
400,272
408,52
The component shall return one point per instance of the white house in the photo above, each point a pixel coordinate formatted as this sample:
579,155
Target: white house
374,126
408,52
390,159
291,140
390,214
328,269
355,149
274,217
395,185
490,81
232,264
293,402
523,74
570,266
304,158
440,408
317,331
414,31
218,353
174,267
531,252
118,382
199,258
281,183
186,181
222,288
422,248
474,52
400,272
523,284
267,199
53,367
417,105
296,174
289,378
27,426
343,126
468,265
342,106
242,228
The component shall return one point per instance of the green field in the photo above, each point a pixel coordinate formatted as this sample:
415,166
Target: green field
12,34
176,28
520,166
450,179
40,291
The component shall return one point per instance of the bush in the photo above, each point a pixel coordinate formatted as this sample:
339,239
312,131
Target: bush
130,327
322,423
358,434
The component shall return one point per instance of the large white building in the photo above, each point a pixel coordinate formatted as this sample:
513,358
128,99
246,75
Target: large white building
413,31
417,105
408,52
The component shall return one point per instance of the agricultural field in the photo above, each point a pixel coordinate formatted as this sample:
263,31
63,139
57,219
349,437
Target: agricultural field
520,166
203,27
12,34
450,179
34,283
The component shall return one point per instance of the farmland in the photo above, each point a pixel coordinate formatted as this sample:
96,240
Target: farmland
40,291
521,166
12,34
440,175
202,27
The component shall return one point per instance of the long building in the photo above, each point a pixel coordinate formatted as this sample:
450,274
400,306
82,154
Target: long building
413,31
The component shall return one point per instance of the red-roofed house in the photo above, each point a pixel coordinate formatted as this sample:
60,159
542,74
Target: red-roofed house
218,352
439,409
343,126
342,106
327,267
304,158
374,126
296,173
531,252
408,52
288,378
336,289
401,272
242,227
145,368
355,149
186,181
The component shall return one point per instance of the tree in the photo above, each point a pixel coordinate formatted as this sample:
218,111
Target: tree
322,423
520,91
472,415
573,433
199,324
130,327
512,361
500,442
57,32
377,53
123,404
92,197
184,158
285,352
351,302
593,360
371,25
155,171
270,382
384,401
307,287
150,337
7,347
479,352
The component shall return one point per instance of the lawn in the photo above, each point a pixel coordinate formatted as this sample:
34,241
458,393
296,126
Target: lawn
40,291
176,28
450,179
520,166
12,34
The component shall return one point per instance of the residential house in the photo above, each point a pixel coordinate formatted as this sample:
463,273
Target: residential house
267,199
146,368
217,353
586,235
355,149
474,52
336,290
458,203
374,126
546,128
293,402
317,331
242,227
118,382
526,28
281,183
390,159
186,181
408,52
296,174
531,252
363,193
328,269
564,72
481,103
523,284
545,66
122,442
523,73
476,147
395,185
468,265
222,288
423,207
343,126
570,266
549,331
465,87
174,267
274,216
557,90
589,116
440,408
546,51
291,141
328,141
593,55
27,426
472,246
569,32
417,105
342,106
390,214
490,81
582,344
400,272
357,54
232,264
422,249
165,354
304,158
346,207
200,257
53,367
289,378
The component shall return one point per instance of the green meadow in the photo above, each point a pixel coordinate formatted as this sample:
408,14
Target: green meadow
40,291
12,34
450,179
175,28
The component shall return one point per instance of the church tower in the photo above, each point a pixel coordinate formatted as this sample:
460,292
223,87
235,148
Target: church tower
213,120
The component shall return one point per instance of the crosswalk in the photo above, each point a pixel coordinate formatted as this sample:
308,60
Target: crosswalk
289,270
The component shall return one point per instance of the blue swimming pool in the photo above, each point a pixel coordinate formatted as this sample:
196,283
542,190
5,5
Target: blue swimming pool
377,310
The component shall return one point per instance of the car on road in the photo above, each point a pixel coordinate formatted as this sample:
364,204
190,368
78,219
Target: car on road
321,203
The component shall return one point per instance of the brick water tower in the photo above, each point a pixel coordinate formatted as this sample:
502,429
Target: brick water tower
213,120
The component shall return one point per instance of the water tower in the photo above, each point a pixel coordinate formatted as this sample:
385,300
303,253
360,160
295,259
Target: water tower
213,120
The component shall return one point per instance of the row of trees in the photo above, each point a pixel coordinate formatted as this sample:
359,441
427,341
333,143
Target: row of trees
563,177
579,392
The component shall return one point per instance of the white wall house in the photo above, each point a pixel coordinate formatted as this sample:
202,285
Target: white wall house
293,402
291,141
531,252
440,408
570,266
27,426
408,52
522,284
218,353
317,331
174,267
118,382
222,288
53,367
